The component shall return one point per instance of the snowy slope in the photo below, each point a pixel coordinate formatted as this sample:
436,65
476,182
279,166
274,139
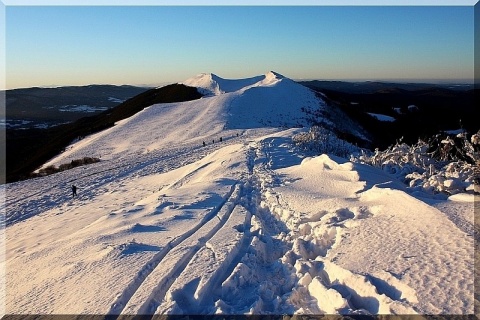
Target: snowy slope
249,225
270,100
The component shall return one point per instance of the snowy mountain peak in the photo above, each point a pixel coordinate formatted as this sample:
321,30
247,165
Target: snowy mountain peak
266,101
210,84
274,75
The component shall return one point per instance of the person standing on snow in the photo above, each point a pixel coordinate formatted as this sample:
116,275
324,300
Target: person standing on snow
74,191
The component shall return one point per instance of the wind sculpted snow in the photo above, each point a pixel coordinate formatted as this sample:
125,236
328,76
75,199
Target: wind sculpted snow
248,225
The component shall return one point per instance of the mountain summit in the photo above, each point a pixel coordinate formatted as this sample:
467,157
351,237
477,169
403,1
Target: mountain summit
211,84
269,102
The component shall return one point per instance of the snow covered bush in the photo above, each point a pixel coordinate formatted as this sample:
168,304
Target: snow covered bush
321,140
456,148
442,165
445,164
399,159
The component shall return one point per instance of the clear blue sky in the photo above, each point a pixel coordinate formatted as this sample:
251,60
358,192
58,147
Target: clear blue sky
153,45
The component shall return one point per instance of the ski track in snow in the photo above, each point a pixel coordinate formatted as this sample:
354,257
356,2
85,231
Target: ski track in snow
245,226
181,248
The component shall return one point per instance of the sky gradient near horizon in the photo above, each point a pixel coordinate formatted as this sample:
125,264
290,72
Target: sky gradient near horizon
155,45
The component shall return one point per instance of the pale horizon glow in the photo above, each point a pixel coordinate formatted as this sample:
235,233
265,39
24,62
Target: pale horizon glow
157,45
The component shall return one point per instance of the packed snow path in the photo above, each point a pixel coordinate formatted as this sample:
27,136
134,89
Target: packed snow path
246,226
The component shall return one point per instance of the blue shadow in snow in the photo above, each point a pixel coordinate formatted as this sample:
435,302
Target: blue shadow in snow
376,177
147,228
281,154
132,248
383,287
184,216
212,199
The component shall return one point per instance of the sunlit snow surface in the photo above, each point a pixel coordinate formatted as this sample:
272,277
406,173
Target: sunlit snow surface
246,225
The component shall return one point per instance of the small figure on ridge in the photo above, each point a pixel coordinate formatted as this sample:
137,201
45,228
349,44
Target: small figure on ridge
74,191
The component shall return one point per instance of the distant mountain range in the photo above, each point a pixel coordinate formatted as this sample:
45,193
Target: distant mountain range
366,87
45,107
419,110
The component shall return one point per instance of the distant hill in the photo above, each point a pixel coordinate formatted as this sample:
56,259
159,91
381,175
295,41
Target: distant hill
366,87
45,107
419,110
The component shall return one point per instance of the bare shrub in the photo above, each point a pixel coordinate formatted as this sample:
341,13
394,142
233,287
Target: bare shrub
64,166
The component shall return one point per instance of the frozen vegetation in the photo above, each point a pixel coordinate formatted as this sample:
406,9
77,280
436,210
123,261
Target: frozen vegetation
449,169
438,168
269,220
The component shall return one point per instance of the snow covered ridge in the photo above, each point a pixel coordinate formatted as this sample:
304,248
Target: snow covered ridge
211,84
229,108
